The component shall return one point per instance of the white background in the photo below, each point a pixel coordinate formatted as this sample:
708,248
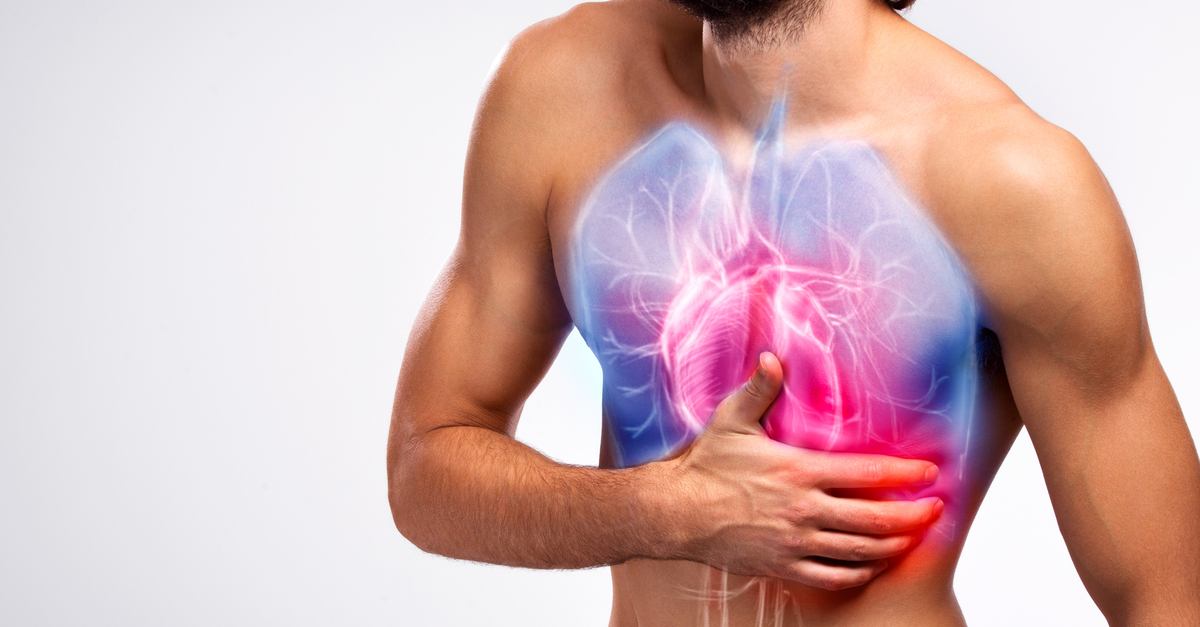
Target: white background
218,220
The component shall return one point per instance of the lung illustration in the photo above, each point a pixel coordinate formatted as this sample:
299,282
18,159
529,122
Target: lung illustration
683,272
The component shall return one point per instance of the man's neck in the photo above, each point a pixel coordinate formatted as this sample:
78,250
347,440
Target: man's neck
823,69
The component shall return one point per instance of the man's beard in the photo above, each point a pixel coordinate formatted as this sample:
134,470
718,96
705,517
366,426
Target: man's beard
754,24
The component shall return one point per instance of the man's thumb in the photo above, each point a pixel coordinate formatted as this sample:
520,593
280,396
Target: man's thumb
746,407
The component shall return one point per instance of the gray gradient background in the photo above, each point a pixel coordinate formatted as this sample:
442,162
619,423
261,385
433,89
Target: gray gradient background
218,220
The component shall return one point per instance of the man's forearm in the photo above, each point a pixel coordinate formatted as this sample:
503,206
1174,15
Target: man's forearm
733,499
473,493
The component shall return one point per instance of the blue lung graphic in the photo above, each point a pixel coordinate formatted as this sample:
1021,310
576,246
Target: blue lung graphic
682,274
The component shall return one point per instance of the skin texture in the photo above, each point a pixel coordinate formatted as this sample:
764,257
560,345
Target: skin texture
1020,200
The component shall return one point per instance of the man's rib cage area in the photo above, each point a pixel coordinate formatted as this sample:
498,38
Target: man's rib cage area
682,272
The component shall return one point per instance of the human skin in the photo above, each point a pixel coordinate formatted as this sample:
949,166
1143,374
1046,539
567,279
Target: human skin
1022,204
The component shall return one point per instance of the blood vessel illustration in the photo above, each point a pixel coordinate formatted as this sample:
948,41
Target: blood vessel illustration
684,271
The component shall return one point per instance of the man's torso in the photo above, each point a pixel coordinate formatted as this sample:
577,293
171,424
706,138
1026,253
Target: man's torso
631,70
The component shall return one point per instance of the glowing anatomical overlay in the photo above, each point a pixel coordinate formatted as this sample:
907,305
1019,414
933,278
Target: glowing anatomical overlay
683,272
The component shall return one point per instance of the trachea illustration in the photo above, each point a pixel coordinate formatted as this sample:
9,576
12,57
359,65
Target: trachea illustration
684,271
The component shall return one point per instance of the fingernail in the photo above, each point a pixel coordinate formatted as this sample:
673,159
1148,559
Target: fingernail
761,371
931,475
883,565
938,507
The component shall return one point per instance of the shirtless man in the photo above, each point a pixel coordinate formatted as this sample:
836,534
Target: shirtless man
901,262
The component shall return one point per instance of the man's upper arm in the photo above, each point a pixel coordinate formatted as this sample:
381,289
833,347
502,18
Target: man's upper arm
1061,282
495,318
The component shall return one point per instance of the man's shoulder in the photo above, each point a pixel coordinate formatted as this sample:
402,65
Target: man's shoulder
602,27
570,93
569,45
1038,223
586,56
984,153
1021,199
992,150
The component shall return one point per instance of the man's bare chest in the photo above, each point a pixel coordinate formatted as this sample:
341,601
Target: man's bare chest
680,268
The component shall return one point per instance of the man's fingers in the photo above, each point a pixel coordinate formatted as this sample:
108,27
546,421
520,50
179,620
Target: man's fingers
843,470
878,518
746,407
859,548
828,576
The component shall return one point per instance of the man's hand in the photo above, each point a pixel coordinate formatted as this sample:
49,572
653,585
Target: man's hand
760,507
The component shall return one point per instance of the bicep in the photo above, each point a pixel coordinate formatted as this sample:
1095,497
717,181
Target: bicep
483,340
1118,460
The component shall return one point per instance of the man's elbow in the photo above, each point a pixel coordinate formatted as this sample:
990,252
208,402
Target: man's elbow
404,499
